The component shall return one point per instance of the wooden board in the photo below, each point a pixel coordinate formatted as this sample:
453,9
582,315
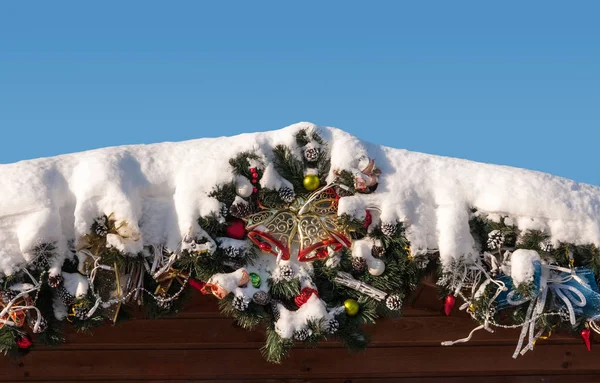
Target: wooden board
200,345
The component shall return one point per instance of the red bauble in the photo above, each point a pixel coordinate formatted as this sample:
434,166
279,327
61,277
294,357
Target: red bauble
449,304
586,335
368,219
198,285
266,247
255,175
254,190
253,170
236,229
305,295
24,342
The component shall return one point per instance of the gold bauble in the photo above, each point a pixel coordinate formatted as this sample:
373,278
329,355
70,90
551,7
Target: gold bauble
351,307
311,182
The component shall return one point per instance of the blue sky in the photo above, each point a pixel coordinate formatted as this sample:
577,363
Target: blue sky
515,83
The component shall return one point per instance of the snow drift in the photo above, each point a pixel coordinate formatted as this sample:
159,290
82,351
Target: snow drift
160,190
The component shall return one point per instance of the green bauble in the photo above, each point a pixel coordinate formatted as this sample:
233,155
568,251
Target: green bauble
255,280
311,182
351,307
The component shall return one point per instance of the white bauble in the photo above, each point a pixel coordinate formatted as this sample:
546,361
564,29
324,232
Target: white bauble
243,187
376,266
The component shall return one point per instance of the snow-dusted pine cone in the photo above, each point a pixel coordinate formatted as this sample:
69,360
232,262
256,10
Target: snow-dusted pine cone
546,246
55,280
7,295
31,323
389,229
66,297
286,272
495,239
240,210
393,302
80,312
377,251
286,194
100,226
233,252
223,210
164,304
331,326
359,264
302,335
261,298
240,303
311,154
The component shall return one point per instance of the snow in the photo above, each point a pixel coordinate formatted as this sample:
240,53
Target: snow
290,321
522,265
160,190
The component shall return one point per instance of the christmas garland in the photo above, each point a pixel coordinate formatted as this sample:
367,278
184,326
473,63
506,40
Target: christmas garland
279,255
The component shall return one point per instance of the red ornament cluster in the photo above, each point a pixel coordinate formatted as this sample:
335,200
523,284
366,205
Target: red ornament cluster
254,179
305,295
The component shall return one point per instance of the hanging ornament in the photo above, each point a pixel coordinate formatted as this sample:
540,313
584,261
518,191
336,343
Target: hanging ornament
236,229
305,226
286,194
586,334
304,296
255,280
449,304
393,302
261,298
351,306
311,182
376,266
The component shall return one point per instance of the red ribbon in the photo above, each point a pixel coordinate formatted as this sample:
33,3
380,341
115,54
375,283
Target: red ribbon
305,295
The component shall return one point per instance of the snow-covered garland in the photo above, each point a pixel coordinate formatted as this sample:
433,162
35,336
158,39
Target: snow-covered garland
279,255
522,280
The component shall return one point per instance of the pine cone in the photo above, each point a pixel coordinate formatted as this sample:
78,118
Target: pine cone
393,302
55,280
286,272
233,252
223,210
286,194
240,210
240,303
311,154
7,295
331,326
31,323
302,335
80,312
546,246
66,297
389,229
100,226
378,251
359,264
495,239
